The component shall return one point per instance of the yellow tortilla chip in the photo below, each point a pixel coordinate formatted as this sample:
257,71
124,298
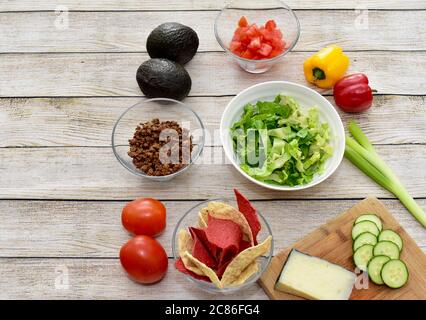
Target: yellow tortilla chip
246,274
220,210
203,216
186,244
209,272
243,259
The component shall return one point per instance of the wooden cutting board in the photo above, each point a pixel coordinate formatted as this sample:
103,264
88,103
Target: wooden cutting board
333,243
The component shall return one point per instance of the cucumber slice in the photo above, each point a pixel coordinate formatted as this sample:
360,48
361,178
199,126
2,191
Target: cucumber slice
364,238
394,274
386,248
392,236
364,226
371,217
362,256
375,268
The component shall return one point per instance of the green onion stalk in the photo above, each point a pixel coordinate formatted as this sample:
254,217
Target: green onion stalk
363,155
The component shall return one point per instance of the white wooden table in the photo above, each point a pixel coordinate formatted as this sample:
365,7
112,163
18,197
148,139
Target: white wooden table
62,88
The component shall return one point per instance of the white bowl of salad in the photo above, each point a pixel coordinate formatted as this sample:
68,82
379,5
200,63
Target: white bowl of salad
282,135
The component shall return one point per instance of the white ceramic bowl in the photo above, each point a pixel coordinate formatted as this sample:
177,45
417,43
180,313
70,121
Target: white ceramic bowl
307,98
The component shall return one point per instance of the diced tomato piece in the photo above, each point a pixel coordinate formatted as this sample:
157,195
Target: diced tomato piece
248,54
270,25
241,35
235,45
268,42
267,35
246,41
243,22
239,32
261,33
278,43
236,37
265,50
277,33
255,44
253,31
275,53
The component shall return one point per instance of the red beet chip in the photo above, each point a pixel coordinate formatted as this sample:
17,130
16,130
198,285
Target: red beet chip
222,266
181,267
226,235
244,245
250,213
221,269
201,248
201,235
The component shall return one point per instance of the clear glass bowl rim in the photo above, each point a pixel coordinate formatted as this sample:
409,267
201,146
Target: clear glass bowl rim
169,176
225,47
207,285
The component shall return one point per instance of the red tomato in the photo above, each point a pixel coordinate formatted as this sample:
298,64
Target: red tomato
243,22
270,25
144,259
144,216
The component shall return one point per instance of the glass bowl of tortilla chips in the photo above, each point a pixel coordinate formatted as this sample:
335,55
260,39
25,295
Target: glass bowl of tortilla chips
223,245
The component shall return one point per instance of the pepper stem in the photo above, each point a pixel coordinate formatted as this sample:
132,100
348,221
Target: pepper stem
318,74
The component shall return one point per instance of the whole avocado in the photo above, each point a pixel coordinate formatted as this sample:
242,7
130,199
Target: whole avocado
162,78
173,41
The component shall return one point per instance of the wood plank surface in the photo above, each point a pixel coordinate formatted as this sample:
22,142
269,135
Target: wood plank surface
89,229
113,74
89,121
117,31
94,173
95,279
63,89
333,243
113,5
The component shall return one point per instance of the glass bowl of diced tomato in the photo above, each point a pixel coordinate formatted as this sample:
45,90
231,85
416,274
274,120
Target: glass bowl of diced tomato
257,34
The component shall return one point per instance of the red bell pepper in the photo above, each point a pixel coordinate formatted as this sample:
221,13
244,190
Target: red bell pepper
353,94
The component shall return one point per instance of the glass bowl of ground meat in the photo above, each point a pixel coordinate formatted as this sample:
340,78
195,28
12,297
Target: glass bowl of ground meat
158,138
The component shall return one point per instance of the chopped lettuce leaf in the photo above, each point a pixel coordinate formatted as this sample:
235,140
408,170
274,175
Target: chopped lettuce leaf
277,143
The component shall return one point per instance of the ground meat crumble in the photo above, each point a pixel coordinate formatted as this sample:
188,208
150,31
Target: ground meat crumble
160,158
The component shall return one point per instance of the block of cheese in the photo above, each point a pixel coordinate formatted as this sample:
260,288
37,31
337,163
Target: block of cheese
314,278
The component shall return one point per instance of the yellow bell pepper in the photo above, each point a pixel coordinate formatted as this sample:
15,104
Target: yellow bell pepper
326,67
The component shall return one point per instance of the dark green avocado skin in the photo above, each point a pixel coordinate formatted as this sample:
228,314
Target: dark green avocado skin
162,78
173,41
